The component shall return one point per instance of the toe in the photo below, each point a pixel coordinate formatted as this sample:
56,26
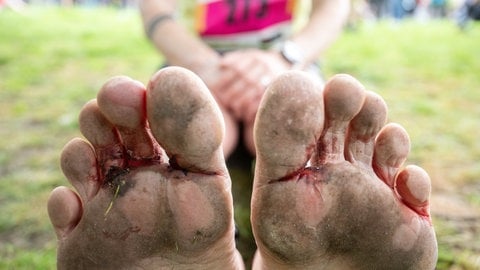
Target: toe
64,210
103,136
391,150
185,120
80,167
414,186
288,124
122,101
344,97
364,128
96,127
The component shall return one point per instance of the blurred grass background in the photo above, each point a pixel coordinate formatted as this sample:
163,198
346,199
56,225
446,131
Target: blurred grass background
53,60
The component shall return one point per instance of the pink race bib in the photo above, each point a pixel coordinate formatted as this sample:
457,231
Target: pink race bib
227,17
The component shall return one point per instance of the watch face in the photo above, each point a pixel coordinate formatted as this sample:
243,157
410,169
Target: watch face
292,53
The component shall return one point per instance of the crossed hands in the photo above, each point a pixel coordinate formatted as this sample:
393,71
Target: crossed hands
242,77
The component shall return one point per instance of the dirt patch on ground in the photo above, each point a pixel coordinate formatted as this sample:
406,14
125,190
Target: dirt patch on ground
458,225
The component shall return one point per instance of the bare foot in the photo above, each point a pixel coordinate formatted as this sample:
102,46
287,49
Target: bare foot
153,191
329,190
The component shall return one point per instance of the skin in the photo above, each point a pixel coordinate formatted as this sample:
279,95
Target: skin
185,198
329,191
153,191
237,78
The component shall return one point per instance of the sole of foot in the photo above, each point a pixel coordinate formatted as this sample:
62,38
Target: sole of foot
330,191
152,188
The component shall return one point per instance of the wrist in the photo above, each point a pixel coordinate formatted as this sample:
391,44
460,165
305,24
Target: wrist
154,22
292,54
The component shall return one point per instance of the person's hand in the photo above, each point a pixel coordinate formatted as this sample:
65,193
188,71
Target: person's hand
243,78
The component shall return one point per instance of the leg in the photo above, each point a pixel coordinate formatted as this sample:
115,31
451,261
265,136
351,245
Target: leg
152,187
231,133
329,191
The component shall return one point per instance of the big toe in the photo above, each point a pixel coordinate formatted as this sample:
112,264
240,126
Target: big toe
288,124
185,120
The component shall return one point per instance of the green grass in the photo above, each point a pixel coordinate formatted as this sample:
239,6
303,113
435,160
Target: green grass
53,60
428,74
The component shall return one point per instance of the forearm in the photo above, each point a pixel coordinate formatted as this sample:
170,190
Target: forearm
174,41
326,22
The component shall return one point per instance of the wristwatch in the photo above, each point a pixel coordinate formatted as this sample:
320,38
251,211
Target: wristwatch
292,53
